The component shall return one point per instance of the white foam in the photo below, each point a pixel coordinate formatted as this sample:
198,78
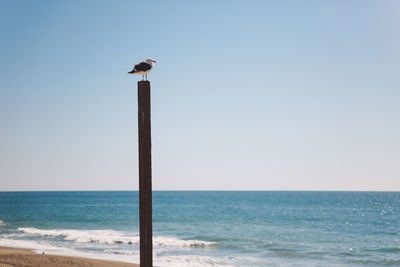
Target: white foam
29,244
131,255
112,237
176,242
85,236
161,260
118,255
193,261
2,223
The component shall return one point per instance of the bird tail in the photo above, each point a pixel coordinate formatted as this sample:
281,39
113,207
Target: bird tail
132,72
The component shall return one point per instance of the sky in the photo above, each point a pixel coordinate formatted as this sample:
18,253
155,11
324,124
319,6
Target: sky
246,95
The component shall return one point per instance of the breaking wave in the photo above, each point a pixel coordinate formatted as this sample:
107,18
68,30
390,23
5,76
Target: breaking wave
112,237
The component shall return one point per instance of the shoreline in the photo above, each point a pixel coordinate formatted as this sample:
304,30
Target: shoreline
26,257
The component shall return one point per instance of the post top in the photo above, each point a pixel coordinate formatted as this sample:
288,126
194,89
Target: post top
143,82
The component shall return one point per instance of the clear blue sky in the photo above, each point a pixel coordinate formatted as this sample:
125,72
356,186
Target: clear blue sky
265,95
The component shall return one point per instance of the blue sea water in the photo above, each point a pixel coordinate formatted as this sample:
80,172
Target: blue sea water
210,228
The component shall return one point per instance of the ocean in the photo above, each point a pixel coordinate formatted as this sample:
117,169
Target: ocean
210,228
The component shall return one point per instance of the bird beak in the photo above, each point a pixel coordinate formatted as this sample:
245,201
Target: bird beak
154,61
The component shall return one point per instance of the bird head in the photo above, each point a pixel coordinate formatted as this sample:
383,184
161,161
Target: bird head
149,60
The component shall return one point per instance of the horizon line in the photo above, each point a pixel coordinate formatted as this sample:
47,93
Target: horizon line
204,190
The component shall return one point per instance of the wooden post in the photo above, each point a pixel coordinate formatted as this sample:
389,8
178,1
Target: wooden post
145,193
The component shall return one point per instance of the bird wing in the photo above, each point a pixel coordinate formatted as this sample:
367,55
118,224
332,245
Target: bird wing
142,66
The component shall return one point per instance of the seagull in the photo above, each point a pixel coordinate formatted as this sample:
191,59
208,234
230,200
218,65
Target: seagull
143,68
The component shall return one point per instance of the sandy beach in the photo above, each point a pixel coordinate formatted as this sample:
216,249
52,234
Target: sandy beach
23,257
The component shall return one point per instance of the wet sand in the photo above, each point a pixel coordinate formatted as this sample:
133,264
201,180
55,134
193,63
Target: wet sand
23,257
